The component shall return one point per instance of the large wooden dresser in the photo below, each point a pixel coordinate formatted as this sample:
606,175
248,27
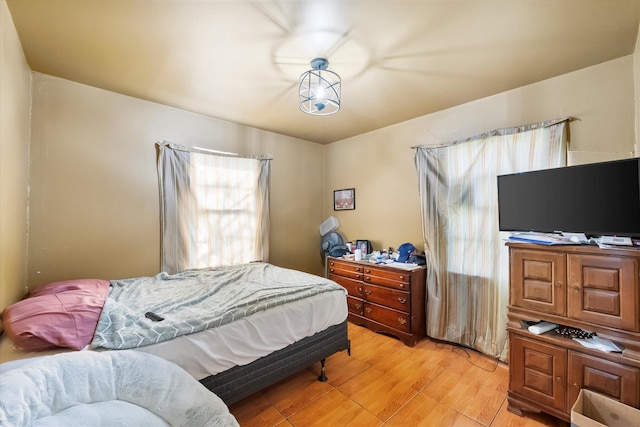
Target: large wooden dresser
582,287
384,299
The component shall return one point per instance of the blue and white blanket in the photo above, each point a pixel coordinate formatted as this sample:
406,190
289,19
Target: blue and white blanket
193,301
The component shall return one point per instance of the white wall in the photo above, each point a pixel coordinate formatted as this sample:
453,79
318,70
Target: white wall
15,87
94,208
380,165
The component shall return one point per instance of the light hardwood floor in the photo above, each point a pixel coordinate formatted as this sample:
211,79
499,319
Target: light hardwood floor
385,383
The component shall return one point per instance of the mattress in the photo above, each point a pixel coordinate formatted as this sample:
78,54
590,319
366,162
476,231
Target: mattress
245,340
242,381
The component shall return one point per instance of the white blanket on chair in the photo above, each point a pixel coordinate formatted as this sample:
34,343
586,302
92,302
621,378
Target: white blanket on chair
114,388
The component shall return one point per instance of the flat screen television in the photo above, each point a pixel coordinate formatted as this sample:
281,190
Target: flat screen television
598,199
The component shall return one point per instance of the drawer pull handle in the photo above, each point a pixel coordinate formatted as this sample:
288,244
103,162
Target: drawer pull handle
367,278
402,320
559,379
358,306
576,288
368,310
402,285
360,289
558,285
576,386
331,269
402,300
367,291
401,277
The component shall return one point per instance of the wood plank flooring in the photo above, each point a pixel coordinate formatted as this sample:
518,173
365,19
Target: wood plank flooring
385,383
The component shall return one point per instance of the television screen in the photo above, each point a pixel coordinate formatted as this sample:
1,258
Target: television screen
599,199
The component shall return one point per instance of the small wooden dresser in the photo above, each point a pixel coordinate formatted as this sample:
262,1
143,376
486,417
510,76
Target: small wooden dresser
384,299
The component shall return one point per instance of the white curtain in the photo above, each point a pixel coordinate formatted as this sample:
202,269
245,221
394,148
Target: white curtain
214,208
467,276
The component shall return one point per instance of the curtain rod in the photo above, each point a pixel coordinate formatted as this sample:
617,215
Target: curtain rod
502,131
193,149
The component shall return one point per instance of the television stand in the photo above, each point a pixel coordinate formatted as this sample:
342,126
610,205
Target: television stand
582,287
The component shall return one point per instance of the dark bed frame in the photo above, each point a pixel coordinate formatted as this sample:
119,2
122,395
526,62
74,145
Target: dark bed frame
241,381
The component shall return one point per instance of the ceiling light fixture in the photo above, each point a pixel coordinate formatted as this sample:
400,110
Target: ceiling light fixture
319,89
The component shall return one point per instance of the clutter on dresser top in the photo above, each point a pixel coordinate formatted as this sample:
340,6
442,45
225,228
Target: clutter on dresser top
406,257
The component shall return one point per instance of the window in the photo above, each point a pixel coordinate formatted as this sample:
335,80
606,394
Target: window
214,208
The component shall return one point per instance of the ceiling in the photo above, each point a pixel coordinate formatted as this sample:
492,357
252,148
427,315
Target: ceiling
240,60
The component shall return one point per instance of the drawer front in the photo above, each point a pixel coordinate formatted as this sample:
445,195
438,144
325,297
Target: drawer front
345,265
352,271
355,305
353,287
390,278
393,318
400,300
616,381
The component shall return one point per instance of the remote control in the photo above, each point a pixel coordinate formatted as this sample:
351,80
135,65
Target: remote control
151,315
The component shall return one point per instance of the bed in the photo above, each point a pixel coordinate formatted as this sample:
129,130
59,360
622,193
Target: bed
235,329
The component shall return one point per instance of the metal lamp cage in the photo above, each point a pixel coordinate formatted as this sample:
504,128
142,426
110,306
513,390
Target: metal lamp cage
319,90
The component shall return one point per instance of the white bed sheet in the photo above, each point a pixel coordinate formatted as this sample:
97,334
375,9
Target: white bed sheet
241,342
238,343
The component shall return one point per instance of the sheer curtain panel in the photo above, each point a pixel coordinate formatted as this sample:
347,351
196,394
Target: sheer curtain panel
468,271
214,208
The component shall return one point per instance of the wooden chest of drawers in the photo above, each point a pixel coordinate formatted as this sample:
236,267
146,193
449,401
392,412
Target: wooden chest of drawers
384,299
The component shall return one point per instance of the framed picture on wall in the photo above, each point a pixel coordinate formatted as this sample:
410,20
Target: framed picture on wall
344,199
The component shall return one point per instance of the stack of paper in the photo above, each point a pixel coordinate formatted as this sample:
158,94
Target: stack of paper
599,344
541,238
402,265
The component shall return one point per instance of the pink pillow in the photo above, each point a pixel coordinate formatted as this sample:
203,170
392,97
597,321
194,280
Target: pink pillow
60,314
70,285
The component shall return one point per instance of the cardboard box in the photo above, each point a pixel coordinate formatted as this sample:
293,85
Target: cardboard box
595,410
